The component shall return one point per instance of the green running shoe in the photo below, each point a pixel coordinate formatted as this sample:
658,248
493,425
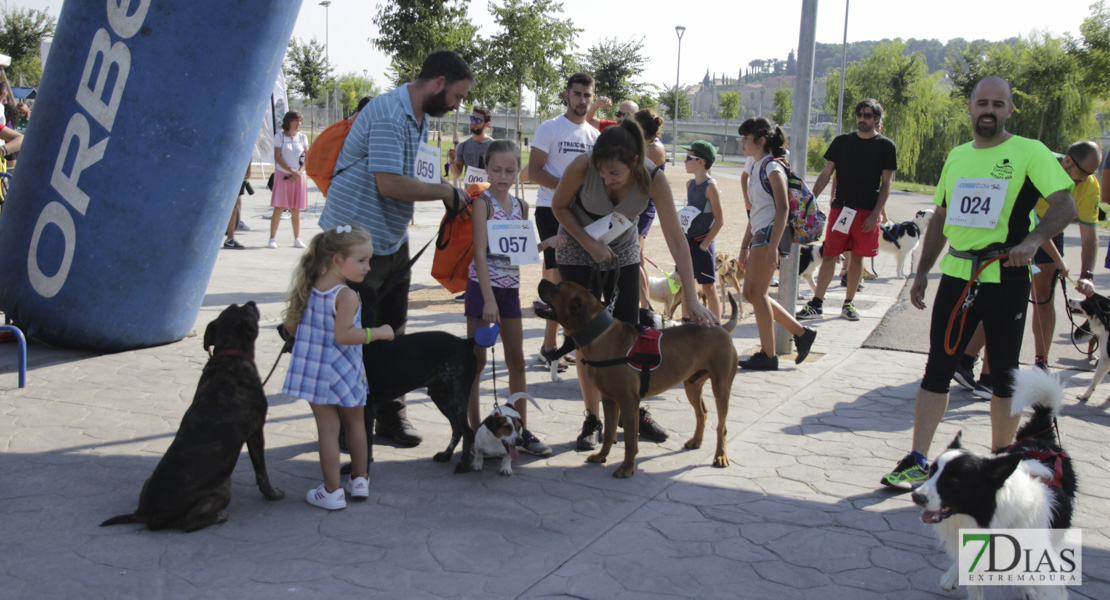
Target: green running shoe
907,475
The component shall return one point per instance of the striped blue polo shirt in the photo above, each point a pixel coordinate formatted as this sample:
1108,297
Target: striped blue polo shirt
384,138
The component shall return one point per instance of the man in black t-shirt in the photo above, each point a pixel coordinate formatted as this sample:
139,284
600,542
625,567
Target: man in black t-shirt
864,162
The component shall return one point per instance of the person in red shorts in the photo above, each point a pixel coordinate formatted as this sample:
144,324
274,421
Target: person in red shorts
863,162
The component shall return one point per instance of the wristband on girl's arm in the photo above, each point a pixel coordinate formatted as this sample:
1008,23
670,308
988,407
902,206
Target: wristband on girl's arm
367,334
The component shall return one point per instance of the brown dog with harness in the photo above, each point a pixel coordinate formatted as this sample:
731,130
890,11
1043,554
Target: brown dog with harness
692,354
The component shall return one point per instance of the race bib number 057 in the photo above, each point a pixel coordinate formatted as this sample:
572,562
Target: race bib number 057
427,166
515,239
977,202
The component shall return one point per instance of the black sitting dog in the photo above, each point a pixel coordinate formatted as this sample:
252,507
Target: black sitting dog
191,486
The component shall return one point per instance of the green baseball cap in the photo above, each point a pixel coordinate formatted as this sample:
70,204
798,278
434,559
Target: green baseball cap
703,149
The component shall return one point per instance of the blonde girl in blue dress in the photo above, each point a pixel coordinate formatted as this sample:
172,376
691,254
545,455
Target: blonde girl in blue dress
326,368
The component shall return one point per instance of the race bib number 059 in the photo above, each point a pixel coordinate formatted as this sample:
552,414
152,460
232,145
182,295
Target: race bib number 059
977,202
427,166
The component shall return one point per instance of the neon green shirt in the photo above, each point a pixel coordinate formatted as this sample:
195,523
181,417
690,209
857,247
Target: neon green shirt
989,194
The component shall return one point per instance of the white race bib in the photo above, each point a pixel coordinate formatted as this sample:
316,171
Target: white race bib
475,175
607,229
427,164
977,202
515,239
686,217
844,220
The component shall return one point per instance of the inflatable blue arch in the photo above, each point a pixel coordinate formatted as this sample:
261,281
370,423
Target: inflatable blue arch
145,120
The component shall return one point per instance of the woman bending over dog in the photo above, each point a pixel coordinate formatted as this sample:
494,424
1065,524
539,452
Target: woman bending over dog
613,183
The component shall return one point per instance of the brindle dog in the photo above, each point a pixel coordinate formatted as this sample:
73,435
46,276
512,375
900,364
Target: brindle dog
191,486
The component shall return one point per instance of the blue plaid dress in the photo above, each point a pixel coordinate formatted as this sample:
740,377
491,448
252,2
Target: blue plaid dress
322,370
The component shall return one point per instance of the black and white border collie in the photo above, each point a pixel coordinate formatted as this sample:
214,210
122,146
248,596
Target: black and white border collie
901,239
1097,310
1010,490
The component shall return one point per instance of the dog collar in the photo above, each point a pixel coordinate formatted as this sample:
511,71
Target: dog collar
592,329
232,352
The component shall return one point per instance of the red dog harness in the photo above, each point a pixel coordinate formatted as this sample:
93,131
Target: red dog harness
644,356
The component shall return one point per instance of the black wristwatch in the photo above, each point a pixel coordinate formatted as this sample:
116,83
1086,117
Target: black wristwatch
1089,275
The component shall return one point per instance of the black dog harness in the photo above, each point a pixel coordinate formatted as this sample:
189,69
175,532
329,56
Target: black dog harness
895,231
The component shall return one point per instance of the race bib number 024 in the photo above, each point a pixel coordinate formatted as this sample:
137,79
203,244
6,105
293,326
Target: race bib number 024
515,239
427,167
977,202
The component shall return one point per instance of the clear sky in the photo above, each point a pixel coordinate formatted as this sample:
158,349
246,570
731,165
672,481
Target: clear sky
721,35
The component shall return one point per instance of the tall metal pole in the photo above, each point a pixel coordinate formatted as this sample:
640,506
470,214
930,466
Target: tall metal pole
843,66
799,142
674,124
327,61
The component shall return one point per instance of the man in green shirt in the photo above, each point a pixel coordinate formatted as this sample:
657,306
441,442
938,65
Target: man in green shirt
985,199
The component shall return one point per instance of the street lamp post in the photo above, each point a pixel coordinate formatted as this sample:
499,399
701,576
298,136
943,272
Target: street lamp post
679,29
843,65
364,78
327,60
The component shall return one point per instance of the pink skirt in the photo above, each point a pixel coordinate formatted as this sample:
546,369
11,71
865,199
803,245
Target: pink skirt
289,193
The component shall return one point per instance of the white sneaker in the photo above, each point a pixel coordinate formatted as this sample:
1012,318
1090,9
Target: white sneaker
320,497
297,243
358,487
286,214
272,244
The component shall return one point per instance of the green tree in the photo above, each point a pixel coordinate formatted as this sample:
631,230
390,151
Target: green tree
1053,102
727,107
308,69
648,98
531,32
614,65
20,37
1092,50
408,30
353,88
784,106
666,103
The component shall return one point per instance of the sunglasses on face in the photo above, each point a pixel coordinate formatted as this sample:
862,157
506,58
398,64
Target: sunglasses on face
690,157
864,115
620,115
477,120
1075,163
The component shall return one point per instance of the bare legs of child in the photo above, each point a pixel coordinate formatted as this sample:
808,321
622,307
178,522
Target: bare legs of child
328,418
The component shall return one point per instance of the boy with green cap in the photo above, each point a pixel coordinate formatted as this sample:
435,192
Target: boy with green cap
702,219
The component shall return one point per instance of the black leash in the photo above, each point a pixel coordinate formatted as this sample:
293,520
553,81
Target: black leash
392,283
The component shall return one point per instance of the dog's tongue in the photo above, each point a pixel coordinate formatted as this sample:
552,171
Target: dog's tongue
930,517
513,454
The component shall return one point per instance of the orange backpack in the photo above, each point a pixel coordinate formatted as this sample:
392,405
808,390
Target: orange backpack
455,245
322,155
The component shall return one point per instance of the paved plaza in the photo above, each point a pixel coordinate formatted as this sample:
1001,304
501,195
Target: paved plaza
798,514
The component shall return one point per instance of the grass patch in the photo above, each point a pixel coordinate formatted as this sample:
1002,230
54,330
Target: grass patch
916,188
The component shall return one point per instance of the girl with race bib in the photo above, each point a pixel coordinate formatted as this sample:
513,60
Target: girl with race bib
765,240
493,289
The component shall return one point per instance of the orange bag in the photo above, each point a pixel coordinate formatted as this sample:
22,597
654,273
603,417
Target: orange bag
322,155
455,245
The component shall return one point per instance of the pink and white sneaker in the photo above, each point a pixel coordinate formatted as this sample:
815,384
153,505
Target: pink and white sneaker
358,487
320,497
